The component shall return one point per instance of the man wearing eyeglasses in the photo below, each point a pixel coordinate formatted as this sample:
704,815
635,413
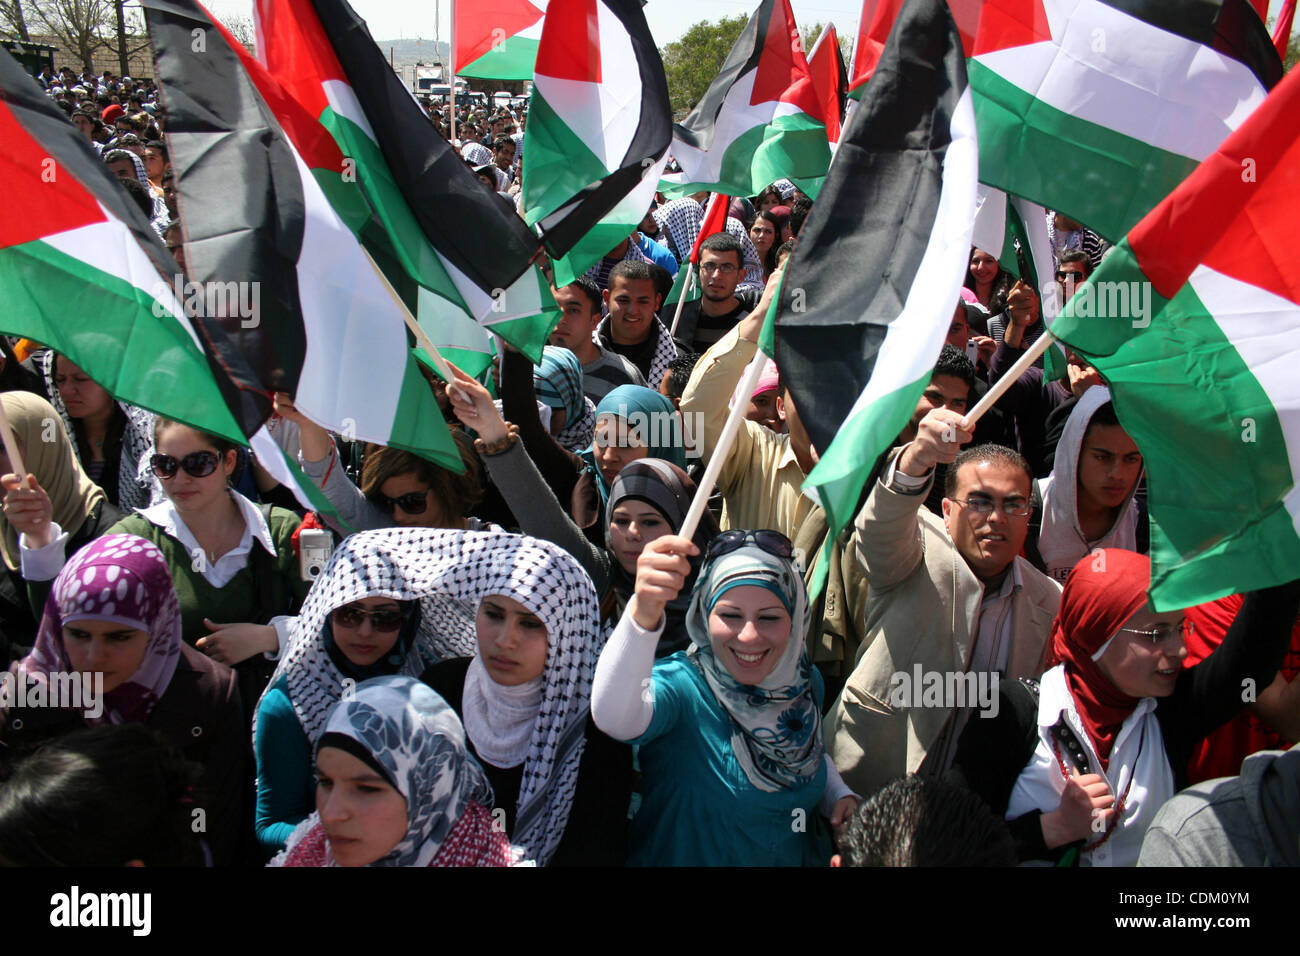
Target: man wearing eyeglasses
949,597
722,266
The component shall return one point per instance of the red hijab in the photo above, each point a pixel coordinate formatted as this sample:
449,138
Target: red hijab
1102,592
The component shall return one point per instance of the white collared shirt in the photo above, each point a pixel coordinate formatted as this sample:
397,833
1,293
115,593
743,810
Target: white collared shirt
219,573
1138,755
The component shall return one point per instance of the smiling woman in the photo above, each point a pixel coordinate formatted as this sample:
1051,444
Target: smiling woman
730,732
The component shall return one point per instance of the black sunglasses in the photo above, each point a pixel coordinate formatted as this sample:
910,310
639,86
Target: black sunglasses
197,464
773,542
1076,276
413,503
350,616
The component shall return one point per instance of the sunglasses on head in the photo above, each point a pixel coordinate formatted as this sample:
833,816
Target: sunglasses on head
351,616
773,542
413,502
197,464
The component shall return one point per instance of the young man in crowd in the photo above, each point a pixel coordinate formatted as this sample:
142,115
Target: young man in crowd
632,328
580,315
720,307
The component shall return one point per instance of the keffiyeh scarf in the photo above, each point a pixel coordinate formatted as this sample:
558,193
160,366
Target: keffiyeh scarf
753,277
558,384
136,485
680,222
449,572
776,725
123,579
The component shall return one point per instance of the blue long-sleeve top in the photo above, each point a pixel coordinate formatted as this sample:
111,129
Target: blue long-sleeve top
286,786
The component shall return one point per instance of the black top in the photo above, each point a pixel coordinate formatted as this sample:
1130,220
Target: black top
596,834
993,752
699,331
640,354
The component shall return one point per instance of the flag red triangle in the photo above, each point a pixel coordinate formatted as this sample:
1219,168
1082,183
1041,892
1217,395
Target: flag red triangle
43,197
1236,212
1282,31
989,25
483,24
572,50
715,221
873,30
825,68
783,74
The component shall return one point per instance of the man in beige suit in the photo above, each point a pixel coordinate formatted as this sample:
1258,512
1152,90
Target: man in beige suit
950,606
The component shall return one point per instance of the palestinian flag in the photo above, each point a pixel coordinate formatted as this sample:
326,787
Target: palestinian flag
759,121
873,30
599,126
1194,321
496,39
323,326
82,271
399,185
899,204
830,80
1282,30
1099,108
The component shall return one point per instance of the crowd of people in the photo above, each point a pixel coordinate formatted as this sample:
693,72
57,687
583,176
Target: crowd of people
527,662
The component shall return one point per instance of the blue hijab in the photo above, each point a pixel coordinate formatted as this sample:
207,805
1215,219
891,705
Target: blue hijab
648,415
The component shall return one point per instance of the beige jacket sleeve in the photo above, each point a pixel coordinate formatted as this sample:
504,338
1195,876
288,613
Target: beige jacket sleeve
705,404
887,533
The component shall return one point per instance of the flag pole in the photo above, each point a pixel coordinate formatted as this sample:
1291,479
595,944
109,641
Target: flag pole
11,444
681,301
421,337
999,388
722,450
451,78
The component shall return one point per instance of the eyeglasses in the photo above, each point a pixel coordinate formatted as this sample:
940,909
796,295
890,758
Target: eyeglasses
1076,276
724,268
1162,632
413,502
982,505
197,464
773,542
351,616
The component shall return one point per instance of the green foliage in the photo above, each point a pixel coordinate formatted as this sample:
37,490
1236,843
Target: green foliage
693,62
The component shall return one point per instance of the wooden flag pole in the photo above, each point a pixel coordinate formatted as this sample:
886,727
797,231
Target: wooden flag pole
723,448
421,337
681,302
999,388
11,444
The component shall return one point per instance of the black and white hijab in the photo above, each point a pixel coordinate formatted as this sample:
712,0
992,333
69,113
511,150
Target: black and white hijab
137,487
449,573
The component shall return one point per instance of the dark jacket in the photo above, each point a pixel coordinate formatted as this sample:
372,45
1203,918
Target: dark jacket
201,715
596,834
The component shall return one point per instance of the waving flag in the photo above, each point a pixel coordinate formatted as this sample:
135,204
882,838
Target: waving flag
759,121
873,30
826,64
1194,320
599,126
899,204
400,186
326,329
1099,108
497,39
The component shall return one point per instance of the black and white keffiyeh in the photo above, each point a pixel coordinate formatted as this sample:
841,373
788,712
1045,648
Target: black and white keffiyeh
680,221
665,348
449,573
136,485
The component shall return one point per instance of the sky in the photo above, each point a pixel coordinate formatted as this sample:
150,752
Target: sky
668,19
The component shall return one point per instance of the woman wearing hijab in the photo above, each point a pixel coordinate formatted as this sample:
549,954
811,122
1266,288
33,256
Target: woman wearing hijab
1080,763
397,786
652,482
113,439
113,618
524,697
55,488
557,381
729,732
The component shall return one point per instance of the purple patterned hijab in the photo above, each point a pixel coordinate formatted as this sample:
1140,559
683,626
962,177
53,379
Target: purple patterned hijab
124,579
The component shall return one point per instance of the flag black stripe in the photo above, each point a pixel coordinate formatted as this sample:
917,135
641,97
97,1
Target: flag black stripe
473,230
1229,27
861,246
697,129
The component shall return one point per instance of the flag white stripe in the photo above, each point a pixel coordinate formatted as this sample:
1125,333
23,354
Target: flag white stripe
1109,68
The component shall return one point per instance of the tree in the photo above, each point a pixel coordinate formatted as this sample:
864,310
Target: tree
81,26
241,28
693,62
11,18
812,33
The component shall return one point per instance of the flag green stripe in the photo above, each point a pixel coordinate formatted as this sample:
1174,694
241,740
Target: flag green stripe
409,430
512,59
1044,154
1212,443
107,326
790,147
557,164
